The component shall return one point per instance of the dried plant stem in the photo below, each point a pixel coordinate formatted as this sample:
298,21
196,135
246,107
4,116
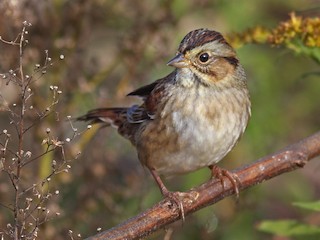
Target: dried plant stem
165,212
29,206
15,176
23,102
16,179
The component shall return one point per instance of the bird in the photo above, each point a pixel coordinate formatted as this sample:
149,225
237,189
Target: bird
191,118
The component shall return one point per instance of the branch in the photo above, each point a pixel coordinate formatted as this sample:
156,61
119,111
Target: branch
165,212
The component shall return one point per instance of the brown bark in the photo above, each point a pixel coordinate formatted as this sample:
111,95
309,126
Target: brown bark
165,212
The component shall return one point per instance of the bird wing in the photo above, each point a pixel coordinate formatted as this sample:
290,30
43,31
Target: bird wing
120,117
144,91
152,95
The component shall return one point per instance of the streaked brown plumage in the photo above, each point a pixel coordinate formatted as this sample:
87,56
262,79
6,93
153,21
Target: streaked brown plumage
191,118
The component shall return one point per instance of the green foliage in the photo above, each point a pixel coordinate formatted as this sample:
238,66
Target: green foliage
315,206
293,228
289,228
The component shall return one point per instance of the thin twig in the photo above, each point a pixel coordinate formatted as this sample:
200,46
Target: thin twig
39,156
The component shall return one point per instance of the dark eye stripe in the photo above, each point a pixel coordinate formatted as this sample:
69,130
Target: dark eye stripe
232,60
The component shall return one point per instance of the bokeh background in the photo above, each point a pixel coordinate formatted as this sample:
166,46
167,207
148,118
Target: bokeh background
112,47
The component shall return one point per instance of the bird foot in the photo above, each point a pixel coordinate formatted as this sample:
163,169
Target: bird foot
181,199
219,173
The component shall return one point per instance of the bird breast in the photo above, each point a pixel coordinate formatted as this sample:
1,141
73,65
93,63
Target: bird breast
195,127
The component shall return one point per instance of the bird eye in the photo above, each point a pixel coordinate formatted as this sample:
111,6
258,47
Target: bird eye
204,57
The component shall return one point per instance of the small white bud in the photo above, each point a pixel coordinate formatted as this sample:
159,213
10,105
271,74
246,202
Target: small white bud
28,154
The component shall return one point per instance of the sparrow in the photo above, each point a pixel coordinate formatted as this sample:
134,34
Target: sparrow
191,118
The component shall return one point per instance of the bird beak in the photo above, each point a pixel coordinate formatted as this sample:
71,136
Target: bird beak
178,61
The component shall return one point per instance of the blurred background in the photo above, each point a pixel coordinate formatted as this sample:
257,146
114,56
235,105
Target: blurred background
111,47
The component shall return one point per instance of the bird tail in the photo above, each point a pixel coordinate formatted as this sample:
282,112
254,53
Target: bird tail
108,116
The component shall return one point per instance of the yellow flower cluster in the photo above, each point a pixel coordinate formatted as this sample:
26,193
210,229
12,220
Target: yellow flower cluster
252,35
300,34
307,30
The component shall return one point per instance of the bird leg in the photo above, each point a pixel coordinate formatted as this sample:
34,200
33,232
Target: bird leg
163,188
177,197
218,173
174,196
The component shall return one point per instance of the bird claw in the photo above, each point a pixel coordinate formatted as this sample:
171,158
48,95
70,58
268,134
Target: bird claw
219,173
181,198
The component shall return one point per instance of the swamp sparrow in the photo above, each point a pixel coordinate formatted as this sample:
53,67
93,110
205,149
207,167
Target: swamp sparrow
191,118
